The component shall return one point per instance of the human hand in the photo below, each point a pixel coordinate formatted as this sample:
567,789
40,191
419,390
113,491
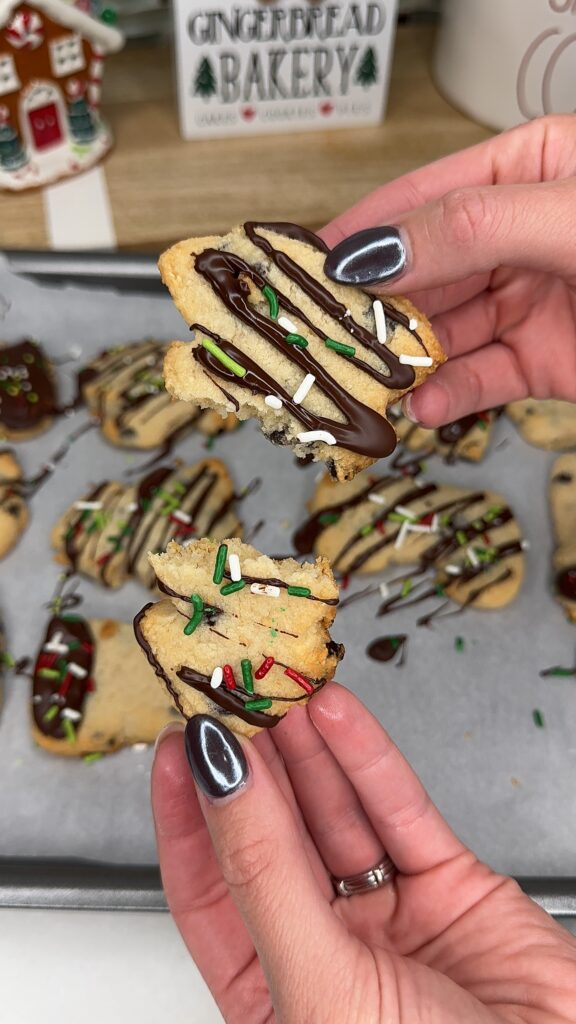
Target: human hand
490,257
247,879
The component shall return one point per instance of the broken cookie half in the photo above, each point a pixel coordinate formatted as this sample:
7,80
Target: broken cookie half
240,636
316,362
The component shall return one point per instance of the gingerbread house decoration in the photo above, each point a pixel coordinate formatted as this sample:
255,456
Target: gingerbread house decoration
51,66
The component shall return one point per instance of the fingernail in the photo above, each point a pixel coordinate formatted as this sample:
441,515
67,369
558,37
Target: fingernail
368,257
171,727
407,409
218,763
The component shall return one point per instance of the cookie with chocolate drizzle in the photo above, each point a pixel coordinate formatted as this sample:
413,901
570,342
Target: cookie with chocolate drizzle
317,363
240,635
28,401
108,534
464,545
563,507
545,423
467,438
124,389
13,508
90,691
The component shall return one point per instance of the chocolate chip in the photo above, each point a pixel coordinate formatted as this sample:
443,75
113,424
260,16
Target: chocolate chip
563,478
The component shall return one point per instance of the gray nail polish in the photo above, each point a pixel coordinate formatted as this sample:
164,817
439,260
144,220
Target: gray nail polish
216,758
368,257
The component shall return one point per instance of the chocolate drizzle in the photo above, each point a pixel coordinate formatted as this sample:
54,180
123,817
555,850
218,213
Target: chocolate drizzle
27,390
66,691
385,648
566,583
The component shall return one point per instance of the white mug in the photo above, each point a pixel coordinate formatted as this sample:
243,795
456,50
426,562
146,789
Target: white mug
506,61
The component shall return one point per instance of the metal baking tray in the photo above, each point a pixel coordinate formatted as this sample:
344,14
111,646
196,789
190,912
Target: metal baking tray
79,836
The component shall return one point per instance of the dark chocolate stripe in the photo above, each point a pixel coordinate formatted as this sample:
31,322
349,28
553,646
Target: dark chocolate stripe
74,630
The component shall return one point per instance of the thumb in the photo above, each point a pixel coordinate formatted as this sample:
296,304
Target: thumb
466,232
264,864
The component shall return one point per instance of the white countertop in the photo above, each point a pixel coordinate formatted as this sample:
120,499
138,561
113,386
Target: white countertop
58,967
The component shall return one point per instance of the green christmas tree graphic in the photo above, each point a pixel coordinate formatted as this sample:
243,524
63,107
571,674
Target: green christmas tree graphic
205,82
82,126
12,153
367,73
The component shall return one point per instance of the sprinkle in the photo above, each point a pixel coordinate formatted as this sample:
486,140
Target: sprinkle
525,545
55,645
226,361
296,339
304,388
538,718
235,570
461,537
384,590
298,591
377,499
71,714
229,680
196,619
492,513
304,683
87,505
459,644
453,570
32,397
264,668
407,360
7,659
220,563
132,506
182,517
413,324
69,730
264,590
406,588
273,401
440,589
231,588
337,346
380,321
90,758
419,528
216,677
274,633
246,666
287,324
48,673
369,528
348,312
401,535
328,518
406,512
272,300
258,705
36,699
308,436
473,557
558,672
50,714
139,747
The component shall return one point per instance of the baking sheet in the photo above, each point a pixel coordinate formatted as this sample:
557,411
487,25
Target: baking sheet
463,719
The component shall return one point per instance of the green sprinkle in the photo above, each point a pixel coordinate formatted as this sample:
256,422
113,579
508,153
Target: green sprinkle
461,537
48,673
538,718
327,518
28,358
296,339
337,346
396,517
560,673
62,666
220,563
423,466
482,424
50,714
145,504
231,588
272,300
445,520
246,666
406,588
90,758
440,590
69,730
210,441
196,619
226,361
32,397
366,530
394,642
298,591
258,705
274,633
459,644
492,513
7,659
178,488
71,618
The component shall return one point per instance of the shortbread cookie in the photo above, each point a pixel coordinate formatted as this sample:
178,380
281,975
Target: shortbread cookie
241,636
124,388
317,363
91,691
13,507
28,401
563,506
108,534
467,438
548,424
465,545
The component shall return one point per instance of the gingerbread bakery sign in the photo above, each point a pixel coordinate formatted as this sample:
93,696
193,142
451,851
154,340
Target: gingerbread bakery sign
51,66
259,67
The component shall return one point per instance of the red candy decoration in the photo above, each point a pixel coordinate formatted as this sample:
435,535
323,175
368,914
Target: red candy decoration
229,680
264,668
304,683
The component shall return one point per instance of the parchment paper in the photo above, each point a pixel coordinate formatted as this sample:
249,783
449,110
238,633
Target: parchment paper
463,719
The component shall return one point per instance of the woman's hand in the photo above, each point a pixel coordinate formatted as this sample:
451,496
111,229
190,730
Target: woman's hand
247,877
490,254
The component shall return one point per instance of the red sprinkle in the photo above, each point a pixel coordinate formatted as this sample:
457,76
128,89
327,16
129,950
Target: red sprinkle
264,668
381,528
87,647
46,660
66,682
90,686
486,539
304,683
103,559
229,681
344,582
182,527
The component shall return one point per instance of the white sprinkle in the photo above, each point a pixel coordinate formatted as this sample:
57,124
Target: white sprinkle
77,670
87,506
434,524
287,325
401,535
384,590
187,543
71,714
55,645
453,570
182,517
264,590
132,506
380,321
75,352
405,511
235,570
50,466
413,324
525,545
304,388
217,677
36,699
348,312
138,747
473,557
273,401
377,499
419,528
415,360
316,435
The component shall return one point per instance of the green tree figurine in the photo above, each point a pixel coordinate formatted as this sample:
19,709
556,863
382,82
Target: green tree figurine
205,82
12,153
367,73
82,127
